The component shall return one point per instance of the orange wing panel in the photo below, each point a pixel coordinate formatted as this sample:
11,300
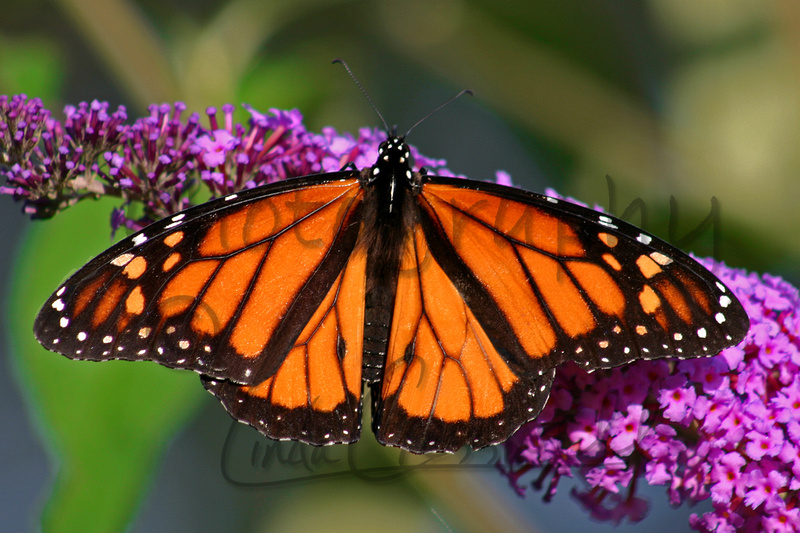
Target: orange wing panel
496,264
315,395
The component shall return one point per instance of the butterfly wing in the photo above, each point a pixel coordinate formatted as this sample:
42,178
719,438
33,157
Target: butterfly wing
570,283
444,384
533,281
315,395
224,289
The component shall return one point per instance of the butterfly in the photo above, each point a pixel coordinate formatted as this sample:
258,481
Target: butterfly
453,300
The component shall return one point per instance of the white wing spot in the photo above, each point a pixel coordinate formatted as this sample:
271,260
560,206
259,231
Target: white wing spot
178,217
660,258
551,199
170,330
247,373
183,344
724,301
607,222
172,225
160,350
720,318
139,239
678,337
644,239
122,260
701,333
107,339
58,305
721,286
82,336
61,291
604,359
231,197
64,322
142,351
144,332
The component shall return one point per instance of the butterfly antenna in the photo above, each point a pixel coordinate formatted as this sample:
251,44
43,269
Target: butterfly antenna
426,117
363,91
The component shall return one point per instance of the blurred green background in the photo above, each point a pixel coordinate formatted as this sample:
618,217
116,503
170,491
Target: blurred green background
667,97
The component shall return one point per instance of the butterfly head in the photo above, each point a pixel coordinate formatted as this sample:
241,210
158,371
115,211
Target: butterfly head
394,161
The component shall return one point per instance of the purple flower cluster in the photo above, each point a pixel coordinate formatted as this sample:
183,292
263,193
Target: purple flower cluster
50,164
157,162
725,427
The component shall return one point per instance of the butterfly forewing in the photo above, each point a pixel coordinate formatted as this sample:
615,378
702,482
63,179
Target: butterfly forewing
571,283
207,289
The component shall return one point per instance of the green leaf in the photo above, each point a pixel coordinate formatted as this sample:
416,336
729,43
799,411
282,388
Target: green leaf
107,423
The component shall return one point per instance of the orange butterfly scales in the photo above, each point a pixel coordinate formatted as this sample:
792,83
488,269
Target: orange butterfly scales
453,300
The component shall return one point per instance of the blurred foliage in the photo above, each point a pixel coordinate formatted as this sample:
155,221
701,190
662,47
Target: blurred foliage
667,97
107,423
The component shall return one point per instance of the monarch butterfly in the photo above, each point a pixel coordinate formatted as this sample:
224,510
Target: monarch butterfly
454,300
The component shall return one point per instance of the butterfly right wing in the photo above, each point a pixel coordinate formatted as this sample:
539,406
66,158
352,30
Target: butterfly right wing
224,289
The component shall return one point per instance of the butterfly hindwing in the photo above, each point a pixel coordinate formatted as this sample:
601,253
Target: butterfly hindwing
315,395
572,283
207,289
444,384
